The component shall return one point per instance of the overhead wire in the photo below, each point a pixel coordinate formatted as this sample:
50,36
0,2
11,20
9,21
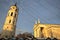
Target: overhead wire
32,16
39,16
21,12
51,4
45,8
35,10
24,10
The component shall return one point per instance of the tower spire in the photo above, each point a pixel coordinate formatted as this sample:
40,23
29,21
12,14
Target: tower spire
16,4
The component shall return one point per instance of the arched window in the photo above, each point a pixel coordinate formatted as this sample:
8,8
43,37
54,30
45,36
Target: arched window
16,10
11,13
13,22
9,21
15,15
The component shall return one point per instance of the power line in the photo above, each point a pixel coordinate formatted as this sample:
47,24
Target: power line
51,4
45,8
38,16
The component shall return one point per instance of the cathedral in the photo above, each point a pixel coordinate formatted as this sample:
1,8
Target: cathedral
9,26
46,30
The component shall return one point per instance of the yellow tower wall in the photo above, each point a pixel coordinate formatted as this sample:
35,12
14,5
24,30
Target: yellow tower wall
10,22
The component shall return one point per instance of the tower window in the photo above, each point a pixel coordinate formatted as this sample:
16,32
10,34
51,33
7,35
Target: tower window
15,15
13,22
11,13
9,21
16,10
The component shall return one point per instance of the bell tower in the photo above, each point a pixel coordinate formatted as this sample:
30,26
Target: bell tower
9,26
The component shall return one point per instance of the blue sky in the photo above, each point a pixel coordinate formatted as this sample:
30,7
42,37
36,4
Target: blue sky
48,11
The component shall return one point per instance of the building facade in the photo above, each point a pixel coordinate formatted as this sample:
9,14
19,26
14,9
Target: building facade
9,26
46,30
